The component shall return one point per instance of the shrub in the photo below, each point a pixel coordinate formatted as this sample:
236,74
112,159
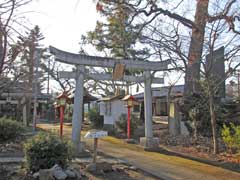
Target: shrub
9,129
95,118
196,108
45,150
121,124
231,137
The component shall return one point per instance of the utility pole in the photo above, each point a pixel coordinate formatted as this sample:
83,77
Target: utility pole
48,76
36,77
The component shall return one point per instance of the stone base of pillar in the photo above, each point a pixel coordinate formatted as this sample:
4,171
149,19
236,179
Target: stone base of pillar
149,143
79,149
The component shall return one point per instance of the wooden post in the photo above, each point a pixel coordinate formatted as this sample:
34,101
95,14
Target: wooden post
55,113
148,105
24,111
95,145
61,120
77,109
128,123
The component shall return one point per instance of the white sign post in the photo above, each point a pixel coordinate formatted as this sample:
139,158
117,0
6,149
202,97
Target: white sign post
95,135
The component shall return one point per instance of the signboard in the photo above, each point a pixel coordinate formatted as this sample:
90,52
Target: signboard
96,134
171,111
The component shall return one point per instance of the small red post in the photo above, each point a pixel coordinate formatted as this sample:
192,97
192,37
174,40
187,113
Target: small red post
128,123
61,120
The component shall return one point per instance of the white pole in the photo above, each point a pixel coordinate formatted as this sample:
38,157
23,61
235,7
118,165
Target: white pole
24,111
148,105
36,77
77,109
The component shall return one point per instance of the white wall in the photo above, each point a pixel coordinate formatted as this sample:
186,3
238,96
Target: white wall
117,108
102,108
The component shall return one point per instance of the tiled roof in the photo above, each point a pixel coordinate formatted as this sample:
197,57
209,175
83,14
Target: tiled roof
163,91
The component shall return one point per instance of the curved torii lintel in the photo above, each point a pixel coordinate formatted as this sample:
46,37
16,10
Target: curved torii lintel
79,59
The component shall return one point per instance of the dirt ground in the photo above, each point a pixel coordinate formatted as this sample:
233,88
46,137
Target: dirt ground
18,171
187,146
200,148
181,145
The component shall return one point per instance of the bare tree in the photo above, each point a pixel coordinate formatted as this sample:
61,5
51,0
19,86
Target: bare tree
8,30
186,35
215,82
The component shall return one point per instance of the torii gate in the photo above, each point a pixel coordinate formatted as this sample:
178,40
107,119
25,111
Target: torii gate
83,60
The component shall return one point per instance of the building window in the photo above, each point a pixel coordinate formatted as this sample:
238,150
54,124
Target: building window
108,108
136,108
161,107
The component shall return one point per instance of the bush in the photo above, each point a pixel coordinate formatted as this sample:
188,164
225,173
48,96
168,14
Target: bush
9,129
196,108
121,124
95,118
45,150
231,137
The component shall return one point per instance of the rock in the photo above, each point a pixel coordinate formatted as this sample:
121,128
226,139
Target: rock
133,168
76,170
36,175
104,166
78,173
45,174
119,167
130,141
91,167
70,173
149,143
58,172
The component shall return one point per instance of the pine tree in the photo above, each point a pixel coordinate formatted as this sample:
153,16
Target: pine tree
116,37
28,46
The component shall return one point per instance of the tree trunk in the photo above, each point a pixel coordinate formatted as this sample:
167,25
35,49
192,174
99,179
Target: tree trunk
168,101
195,135
213,122
142,118
28,109
195,50
1,49
18,110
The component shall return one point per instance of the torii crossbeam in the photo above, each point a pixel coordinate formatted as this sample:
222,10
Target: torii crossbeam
79,59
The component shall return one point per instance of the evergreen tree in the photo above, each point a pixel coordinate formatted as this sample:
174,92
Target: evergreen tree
116,37
29,55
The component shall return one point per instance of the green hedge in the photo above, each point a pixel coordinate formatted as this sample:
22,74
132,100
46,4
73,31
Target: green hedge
45,150
95,118
9,129
121,124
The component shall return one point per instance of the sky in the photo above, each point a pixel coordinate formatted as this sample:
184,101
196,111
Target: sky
62,22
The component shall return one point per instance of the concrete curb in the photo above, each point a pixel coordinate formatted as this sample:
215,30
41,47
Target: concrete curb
12,160
216,163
